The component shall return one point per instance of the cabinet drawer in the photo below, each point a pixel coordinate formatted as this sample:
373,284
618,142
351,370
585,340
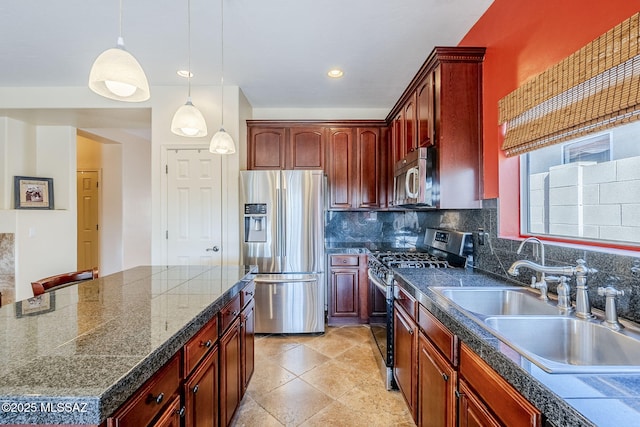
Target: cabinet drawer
439,335
345,260
229,312
247,293
504,401
406,301
199,345
151,398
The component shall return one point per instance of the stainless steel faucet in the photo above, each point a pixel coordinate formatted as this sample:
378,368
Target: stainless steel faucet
610,312
535,283
583,305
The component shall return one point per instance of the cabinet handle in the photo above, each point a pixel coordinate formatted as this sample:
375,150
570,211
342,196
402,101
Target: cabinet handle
158,399
196,388
445,376
250,293
206,344
458,394
235,313
344,261
181,412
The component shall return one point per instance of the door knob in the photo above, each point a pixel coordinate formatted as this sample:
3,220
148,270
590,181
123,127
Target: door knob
214,249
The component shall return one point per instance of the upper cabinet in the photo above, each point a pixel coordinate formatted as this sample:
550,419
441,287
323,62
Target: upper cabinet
442,106
277,146
353,153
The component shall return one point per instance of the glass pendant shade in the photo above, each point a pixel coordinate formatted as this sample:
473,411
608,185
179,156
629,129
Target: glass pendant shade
116,74
189,121
222,143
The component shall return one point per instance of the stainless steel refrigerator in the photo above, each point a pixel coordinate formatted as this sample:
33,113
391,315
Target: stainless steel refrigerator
283,234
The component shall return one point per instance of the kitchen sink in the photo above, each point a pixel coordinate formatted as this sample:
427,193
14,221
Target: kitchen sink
498,301
567,344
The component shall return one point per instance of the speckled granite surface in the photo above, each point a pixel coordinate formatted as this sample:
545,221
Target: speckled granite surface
92,345
565,399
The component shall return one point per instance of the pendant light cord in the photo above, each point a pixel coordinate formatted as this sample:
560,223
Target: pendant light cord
120,21
222,62
188,47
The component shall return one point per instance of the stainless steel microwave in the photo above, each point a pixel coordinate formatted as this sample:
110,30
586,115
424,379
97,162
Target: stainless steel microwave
415,180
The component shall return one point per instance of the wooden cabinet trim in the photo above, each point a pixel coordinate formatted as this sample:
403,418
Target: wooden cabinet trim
229,313
504,400
199,345
407,302
405,352
445,341
442,393
473,412
345,260
201,403
151,399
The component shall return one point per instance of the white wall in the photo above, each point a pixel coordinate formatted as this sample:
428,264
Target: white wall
165,101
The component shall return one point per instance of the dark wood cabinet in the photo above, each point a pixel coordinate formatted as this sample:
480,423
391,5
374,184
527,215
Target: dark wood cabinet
247,343
152,399
437,381
201,393
306,148
410,128
172,416
230,372
487,394
285,146
340,170
473,412
425,106
355,173
405,356
348,295
442,106
266,147
353,154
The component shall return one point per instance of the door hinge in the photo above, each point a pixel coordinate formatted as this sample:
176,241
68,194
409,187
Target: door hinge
97,184
97,227
166,234
166,169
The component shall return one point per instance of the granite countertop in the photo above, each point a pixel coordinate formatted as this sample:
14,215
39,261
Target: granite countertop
565,399
79,355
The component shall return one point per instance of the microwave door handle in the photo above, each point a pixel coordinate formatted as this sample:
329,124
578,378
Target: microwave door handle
410,183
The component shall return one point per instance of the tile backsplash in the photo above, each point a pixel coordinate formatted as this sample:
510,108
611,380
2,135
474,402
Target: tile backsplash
405,230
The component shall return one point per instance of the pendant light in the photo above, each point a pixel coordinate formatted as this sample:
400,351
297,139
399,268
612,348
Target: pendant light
222,143
116,74
188,120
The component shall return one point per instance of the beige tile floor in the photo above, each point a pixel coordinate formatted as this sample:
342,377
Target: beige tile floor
326,380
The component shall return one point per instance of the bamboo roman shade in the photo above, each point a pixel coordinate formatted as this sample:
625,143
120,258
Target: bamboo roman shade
596,88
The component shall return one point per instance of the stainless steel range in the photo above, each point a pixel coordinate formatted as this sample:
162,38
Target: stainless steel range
442,249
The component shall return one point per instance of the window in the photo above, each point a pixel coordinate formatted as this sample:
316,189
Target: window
585,189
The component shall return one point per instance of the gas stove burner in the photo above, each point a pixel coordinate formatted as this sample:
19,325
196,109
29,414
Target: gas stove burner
411,260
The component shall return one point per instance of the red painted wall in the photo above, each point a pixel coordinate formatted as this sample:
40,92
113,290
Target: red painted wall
523,38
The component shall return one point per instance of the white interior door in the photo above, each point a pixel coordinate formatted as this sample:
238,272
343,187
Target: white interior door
194,213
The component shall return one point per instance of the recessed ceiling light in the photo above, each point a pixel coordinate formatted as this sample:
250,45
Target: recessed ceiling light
185,73
335,73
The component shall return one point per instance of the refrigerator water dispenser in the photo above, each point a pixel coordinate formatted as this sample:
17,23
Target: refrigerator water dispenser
255,222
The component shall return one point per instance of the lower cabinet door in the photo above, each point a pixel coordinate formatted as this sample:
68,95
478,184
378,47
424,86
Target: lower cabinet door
404,357
201,393
247,344
436,387
230,372
171,416
473,413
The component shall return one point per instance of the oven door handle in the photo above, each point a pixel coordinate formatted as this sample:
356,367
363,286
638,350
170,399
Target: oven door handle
386,290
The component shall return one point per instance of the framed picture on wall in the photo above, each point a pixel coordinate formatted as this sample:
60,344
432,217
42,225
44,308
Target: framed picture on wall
33,193
44,303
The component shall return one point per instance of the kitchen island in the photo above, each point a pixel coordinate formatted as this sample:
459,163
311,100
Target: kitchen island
81,352
589,399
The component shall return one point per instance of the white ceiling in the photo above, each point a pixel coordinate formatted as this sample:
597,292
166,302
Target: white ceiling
276,51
